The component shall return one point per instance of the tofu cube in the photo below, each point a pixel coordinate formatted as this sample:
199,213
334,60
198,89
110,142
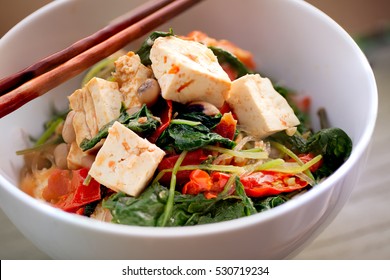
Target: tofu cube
76,158
107,100
79,122
260,109
188,71
130,74
95,105
125,162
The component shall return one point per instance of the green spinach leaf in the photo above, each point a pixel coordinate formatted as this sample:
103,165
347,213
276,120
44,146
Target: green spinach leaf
229,58
192,131
334,145
247,202
148,208
185,137
208,121
264,204
143,210
295,143
144,50
224,210
141,122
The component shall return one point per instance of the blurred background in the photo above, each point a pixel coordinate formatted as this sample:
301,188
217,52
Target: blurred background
362,229
355,16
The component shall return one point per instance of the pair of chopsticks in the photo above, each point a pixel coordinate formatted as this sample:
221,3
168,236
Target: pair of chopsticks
20,88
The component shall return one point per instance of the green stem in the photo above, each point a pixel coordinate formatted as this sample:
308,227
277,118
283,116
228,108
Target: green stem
169,206
49,132
291,154
252,153
41,147
186,122
297,168
98,67
209,167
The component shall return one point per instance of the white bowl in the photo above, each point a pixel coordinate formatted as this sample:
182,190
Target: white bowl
293,42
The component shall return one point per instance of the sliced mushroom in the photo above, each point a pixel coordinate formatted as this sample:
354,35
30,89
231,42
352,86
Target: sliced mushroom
149,92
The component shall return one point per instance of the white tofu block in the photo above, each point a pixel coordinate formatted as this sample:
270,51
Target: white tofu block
76,158
126,162
188,71
95,105
79,120
89,110
260,109
130,74
107,100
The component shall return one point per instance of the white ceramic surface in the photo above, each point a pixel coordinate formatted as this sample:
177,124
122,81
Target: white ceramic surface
293,43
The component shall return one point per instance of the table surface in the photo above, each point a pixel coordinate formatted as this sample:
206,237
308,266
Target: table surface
360,231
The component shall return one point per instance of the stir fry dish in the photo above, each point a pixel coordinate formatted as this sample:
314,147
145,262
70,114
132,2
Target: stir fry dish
183,131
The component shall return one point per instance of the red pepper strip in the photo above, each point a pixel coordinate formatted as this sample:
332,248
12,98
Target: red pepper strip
219,180
67,191
80,211
266,183
202,182
166,118
58,185
232,73
192,158
258,184
225,109
227,126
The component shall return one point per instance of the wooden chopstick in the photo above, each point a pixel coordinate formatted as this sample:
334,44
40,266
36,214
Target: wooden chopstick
71,67
13,81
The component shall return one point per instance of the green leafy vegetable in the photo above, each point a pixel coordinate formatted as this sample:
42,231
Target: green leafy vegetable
209,121
141,122
332,143
144,50
148,208
295,143
267,203
229,58
50,136
50,128
191,132
185,137
143,210
335,146
223,210
248,204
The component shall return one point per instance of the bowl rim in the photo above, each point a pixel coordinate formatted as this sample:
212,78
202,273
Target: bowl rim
359,149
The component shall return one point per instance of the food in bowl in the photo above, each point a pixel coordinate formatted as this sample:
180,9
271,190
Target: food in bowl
182,132
331,69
